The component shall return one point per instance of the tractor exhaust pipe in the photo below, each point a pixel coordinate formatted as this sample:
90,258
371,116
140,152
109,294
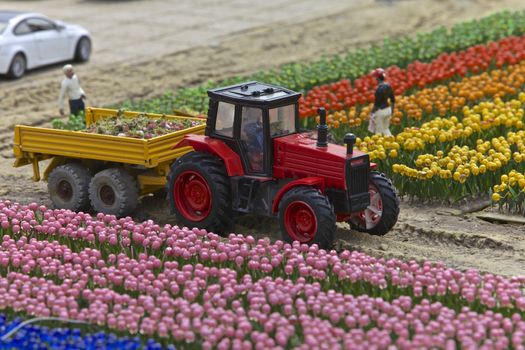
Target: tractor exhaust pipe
322,128
350,142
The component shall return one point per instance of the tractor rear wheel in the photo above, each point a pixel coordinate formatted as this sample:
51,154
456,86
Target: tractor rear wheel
199,193
114,191
307,216
68,186
381,215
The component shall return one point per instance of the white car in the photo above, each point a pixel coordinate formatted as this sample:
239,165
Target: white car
30,40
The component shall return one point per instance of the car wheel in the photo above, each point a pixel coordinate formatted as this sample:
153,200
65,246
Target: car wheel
18,67
83,50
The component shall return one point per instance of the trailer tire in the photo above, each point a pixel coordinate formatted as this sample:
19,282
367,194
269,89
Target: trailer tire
202,179
114,191
306,215
383,211
68,186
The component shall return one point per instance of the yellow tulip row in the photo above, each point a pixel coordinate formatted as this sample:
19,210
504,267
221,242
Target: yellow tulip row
482,117
461,162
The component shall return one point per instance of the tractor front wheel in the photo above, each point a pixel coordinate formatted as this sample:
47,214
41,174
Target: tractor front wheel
199,193
307,216
381,215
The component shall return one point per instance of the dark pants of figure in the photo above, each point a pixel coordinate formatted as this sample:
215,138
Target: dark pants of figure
76,106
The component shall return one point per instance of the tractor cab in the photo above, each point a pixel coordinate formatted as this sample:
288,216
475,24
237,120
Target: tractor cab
248,116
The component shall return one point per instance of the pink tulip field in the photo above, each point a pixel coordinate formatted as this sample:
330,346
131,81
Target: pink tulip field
193,289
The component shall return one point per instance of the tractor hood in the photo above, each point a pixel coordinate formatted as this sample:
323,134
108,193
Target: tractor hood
298,156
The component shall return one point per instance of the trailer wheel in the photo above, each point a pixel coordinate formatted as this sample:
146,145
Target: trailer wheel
114,191
199,192
307,216
381,215
68,186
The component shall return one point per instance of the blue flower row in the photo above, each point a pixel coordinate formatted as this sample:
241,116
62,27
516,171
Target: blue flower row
40,338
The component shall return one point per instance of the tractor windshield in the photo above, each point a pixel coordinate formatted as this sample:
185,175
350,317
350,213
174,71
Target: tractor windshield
282,120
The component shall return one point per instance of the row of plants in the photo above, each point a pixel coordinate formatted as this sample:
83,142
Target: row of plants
106,238
449,158
462,170
344,94
193,289
399,51
16,335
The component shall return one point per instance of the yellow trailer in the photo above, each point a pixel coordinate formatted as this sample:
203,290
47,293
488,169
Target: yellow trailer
108,173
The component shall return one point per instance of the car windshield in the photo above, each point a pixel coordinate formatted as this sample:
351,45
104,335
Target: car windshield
282,120
2,27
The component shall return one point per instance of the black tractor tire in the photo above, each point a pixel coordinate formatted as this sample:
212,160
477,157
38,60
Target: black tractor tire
83,49
389,203
18,67
202,181
307,209
114,191
68,186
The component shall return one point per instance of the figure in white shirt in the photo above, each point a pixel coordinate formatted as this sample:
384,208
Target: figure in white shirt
71,87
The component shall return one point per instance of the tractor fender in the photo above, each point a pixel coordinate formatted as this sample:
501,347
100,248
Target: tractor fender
313,181
202,143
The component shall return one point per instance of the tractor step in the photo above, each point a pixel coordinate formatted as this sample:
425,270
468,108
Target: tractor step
243,191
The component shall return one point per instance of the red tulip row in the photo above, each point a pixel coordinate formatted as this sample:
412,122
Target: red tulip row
344,94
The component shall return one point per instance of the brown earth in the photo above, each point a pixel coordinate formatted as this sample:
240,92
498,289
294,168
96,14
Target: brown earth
143,48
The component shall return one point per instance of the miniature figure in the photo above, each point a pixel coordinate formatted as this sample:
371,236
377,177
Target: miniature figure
382,111
71,86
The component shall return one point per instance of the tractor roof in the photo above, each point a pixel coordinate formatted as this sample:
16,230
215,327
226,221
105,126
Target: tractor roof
255,94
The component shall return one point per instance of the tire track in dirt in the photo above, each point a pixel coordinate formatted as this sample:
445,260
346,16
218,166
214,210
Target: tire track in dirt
461,241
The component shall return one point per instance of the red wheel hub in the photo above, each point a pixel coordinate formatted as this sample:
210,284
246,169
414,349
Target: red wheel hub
300,221
192,195
370,217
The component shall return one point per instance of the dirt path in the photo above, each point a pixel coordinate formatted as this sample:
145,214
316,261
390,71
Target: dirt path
181,46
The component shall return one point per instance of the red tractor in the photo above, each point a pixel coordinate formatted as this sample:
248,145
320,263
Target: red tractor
254,160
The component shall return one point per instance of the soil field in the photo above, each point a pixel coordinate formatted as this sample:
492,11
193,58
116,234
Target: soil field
143,48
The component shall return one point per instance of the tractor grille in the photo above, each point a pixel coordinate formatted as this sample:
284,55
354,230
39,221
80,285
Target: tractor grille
357,179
